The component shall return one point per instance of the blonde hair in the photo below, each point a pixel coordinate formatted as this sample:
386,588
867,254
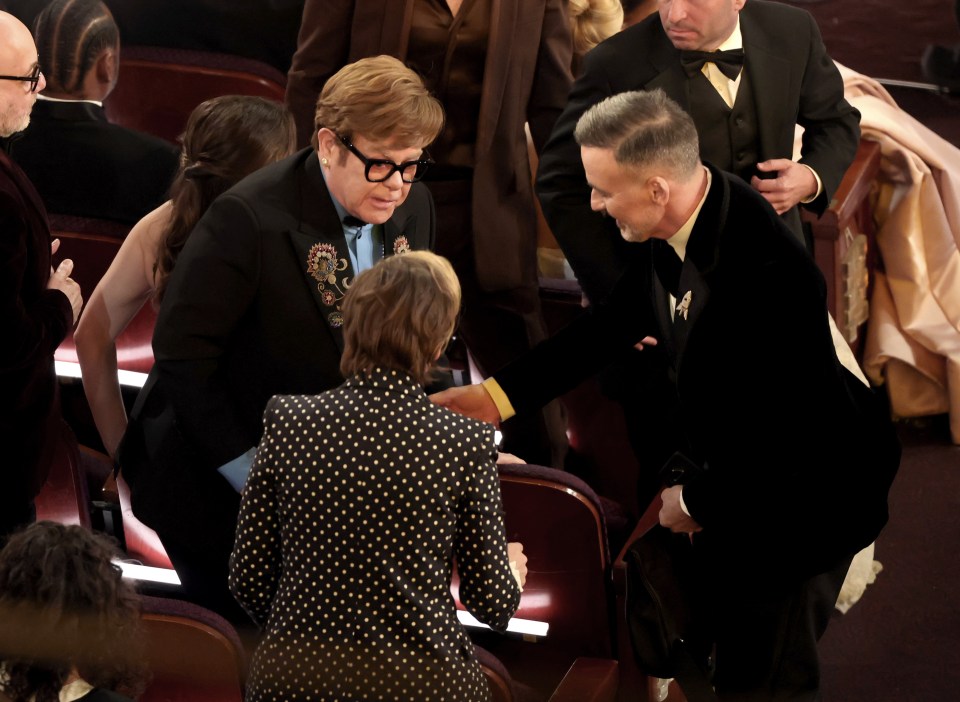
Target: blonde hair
400,314
593,21
380,99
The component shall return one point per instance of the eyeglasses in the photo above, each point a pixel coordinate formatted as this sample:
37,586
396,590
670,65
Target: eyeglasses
33,79
377,170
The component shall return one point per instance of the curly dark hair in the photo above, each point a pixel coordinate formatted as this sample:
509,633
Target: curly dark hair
64,605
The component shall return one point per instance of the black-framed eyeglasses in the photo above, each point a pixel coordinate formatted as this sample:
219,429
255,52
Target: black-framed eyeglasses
33,79
377,170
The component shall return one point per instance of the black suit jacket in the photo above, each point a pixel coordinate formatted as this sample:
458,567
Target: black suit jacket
243,320
82,165
793,82
34,321
798,453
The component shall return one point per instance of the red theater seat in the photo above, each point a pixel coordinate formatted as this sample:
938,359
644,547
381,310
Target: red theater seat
558,519
159,87
194,654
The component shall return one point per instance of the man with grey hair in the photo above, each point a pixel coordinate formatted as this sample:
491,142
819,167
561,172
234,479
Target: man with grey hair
38,305
730,313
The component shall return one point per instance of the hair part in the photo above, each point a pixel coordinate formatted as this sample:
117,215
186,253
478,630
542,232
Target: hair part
382,100
643,128
226,139
70,36
400,314
65,605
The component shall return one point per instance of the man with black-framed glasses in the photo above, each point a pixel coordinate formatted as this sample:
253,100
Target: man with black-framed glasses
253,308
38,305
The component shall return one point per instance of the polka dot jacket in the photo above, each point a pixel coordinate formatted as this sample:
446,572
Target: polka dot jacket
357,504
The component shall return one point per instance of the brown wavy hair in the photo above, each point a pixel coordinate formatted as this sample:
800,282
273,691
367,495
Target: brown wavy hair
400,314
64,605
226,139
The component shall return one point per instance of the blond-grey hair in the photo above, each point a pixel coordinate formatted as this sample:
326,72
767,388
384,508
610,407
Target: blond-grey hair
400,314
382,100
643,128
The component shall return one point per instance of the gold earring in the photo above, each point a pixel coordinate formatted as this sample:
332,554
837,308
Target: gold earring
325,163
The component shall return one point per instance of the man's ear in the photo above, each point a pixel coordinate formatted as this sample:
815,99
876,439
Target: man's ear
326,144
659,190
107,69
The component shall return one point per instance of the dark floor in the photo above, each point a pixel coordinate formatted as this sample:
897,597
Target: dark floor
901,642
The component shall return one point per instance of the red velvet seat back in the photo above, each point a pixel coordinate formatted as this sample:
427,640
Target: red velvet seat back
159,87
194,654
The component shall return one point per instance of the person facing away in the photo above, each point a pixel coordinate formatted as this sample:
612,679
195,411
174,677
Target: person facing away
80,163
358,503
731,314
38,305
253,308
71,623
495,67
225,139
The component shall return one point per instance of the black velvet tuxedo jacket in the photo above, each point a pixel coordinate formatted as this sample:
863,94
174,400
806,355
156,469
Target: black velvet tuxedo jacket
793,81
798,455
83,165
34,320
244,319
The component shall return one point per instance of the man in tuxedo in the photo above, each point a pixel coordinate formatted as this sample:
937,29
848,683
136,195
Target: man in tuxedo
70,140
252,308
778,75
38,305
731,314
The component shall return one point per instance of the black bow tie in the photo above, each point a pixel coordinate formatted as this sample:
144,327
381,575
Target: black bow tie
352,221
729,62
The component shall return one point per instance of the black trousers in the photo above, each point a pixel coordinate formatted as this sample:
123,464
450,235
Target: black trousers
766,637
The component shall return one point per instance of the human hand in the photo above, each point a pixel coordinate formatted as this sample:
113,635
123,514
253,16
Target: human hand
794,182
518,559
470,400
672,515
508,458
645,341
60,280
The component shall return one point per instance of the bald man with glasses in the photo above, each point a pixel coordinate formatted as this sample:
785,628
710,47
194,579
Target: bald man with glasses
38,305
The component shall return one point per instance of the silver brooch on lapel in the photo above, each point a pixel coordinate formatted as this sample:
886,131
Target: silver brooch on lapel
683,307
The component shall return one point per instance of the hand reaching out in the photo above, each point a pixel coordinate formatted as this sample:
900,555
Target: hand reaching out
470,400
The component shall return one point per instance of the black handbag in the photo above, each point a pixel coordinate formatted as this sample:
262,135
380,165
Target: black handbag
662,603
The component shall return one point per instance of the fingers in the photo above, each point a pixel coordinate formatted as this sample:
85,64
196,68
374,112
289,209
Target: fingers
65,268
774,164
54,246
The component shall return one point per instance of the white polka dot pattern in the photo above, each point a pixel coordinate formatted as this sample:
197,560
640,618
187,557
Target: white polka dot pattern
356,506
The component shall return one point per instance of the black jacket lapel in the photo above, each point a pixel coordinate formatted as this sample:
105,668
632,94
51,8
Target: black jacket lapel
321,249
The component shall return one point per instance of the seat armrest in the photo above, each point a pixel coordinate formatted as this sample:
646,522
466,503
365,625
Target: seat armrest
588,680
